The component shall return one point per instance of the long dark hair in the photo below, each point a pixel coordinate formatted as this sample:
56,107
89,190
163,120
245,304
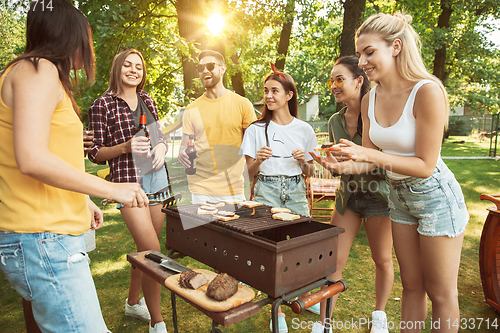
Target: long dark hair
61,35
351,63
293,105
115,81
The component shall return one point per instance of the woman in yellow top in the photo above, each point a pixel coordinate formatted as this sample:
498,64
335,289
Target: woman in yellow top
43,208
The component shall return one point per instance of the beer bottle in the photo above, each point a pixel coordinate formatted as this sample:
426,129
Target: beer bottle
143,125
191,152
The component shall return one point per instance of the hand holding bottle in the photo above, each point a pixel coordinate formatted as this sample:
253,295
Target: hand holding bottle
139,145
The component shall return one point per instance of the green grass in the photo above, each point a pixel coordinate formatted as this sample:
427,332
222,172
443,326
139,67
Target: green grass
111,269
466,146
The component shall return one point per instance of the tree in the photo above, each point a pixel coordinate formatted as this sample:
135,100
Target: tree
440,52
286,32
191,21
12,31
455,49
353,18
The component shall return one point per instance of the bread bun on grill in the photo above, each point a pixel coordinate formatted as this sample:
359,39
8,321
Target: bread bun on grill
250,204
226,218
285,216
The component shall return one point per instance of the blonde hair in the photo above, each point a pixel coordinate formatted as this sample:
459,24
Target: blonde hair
409,61
115,81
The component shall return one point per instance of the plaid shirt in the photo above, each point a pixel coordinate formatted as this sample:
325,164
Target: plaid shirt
113,123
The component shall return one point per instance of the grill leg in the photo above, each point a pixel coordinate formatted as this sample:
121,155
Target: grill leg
274,314
174,311
214,328
328,311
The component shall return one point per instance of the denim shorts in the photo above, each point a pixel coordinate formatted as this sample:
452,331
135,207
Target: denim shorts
366,204
152,183
283,191
52,272
436,204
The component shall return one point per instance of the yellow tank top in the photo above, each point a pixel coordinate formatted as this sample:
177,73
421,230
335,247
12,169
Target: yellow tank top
30,206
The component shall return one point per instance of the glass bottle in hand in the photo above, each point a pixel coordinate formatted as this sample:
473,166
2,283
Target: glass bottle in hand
191,153
143,126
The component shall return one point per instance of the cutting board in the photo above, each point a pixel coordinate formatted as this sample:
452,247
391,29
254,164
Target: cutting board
199,297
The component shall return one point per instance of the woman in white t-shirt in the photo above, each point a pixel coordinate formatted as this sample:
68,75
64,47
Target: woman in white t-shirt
274,147
275,150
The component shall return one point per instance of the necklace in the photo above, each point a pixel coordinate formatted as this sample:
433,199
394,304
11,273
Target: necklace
347,121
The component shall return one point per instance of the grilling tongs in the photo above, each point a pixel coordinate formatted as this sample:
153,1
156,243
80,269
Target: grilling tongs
167,263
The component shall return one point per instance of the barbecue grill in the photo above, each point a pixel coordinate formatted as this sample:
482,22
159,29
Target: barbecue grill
273,256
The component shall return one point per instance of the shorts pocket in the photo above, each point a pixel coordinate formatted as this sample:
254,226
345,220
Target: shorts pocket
256,188
457,193
424,186
13,265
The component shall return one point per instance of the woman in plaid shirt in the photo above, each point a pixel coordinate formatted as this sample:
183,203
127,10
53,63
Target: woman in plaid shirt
114,118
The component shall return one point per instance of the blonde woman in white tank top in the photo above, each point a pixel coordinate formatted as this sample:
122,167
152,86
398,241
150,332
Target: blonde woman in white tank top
404,117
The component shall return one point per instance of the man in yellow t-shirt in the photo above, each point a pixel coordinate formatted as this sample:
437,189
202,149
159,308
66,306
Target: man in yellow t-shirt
217,120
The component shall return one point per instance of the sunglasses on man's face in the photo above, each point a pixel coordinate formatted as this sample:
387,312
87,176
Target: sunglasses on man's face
338,81
209,65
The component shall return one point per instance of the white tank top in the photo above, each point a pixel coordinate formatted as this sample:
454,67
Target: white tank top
398,139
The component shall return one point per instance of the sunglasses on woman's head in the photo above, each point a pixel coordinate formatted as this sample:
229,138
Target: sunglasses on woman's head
338,81
209,65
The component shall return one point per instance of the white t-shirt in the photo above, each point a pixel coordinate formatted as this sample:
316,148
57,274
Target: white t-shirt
283,139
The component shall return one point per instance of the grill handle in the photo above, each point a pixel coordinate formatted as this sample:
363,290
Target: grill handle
300,305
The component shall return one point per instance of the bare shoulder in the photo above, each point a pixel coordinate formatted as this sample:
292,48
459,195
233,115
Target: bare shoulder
430,101
45,67
429,92
46,72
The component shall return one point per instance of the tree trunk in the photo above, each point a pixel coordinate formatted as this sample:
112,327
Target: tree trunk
285,35
440,53
237,79
191,21
353,18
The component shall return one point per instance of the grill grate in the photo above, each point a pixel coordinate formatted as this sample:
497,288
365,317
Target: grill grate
250,220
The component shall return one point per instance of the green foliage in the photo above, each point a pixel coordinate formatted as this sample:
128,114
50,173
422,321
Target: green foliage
12,30
150,27
252,33
472,71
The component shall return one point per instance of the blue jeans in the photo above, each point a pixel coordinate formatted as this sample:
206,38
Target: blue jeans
152,183
283,191
52,272
435,204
